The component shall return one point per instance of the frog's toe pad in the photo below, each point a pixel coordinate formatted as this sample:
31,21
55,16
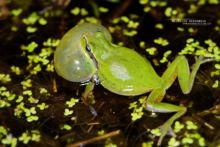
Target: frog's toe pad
203,59
167,131
170,132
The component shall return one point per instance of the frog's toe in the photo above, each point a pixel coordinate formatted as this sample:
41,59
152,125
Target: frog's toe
170,132
203,59
165,129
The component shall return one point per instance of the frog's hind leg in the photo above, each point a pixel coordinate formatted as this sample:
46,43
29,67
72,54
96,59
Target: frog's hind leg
178,68
154,104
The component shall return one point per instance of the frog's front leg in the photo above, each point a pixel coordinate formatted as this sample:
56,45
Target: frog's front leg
178,68
87,95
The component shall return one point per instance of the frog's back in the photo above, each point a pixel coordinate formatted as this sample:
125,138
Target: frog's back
128,73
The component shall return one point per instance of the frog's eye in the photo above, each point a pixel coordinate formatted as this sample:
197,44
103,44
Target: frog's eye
87,44
89,51
98,30
88,48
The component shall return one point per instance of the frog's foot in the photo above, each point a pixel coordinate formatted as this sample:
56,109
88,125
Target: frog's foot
203,59
165,129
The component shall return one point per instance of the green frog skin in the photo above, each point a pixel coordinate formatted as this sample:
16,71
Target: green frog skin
86,54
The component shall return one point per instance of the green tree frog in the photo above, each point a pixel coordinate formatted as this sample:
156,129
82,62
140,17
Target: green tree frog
86,54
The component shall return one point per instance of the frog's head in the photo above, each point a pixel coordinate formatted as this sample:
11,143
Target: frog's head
98,43
75,57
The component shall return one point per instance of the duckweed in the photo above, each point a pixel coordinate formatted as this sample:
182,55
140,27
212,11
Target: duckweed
42,21
151,50
16,70
178,126
72,102
5,78
103,9
66,127
173,142
156,132
191,126
159,26
31,19
165,56
16,12
216,84
68,112
9,140
137,108
161,41
30,29
26,84
30,47
42,106
26,137
75,11
31,99
147,144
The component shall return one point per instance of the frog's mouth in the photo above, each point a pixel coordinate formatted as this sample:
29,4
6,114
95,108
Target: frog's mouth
89,51
95,78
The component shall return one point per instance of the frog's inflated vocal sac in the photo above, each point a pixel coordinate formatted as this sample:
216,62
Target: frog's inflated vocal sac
87,55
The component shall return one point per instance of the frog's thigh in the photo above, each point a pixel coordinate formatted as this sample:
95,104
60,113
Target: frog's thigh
172,71
154,103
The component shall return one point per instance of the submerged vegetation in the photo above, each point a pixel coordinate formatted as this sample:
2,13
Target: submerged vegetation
37,107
